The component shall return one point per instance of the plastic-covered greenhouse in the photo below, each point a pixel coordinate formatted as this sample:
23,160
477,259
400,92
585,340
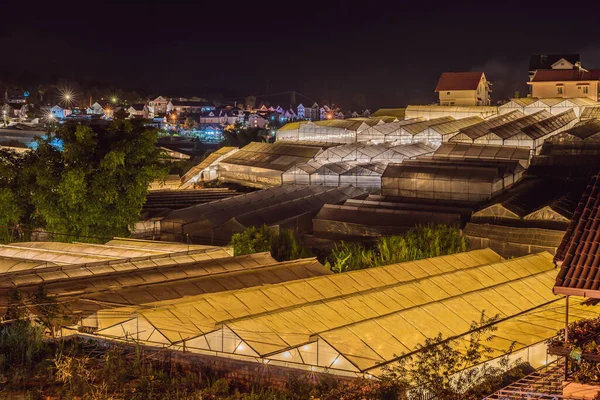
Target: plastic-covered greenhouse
586,130
386,133
592,112
543,104
300,173
207,169
442,132
518,104
355,221
483,151
513,241
457,112
85,288
281,207
470,180
534,135
532,199
262,164
333,131
364,176
329,174
414,132
355,323
480,133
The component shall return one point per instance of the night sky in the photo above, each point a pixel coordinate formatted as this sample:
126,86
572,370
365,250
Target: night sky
342,52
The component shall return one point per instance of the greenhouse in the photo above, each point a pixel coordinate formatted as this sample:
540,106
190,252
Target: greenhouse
354,323
409,133
329,174
513,241
334,131
367,152
364,176
300,173
590,112
512,128
387,133
207,169
439,133
534,135
281,207
586,130
469,180
290,131
456,112
355,221
532,199
517,104
480,133
483,151
86,288
262,164
543,104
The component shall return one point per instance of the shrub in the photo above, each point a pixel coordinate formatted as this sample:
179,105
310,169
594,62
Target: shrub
284,246
421,242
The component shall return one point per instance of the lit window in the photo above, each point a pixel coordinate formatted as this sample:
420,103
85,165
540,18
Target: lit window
559,90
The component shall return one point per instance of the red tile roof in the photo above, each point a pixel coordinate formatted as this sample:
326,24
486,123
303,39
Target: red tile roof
555,75
579,252
458,81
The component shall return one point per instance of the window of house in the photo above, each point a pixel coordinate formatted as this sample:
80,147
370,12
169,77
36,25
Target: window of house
559,90
448,93
585,89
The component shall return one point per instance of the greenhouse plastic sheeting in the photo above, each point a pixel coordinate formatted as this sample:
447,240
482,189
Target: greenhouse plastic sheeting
363,319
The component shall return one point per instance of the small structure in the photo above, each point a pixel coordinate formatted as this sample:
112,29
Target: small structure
463,89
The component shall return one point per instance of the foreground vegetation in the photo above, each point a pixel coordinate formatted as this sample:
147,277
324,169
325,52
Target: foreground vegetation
35,368
421,242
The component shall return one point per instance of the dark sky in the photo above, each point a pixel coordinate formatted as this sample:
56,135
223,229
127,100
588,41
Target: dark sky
392,53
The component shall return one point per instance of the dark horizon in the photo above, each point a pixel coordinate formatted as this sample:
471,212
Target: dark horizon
378,55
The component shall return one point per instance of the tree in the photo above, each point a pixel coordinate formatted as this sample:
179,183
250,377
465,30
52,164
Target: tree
96,186
441,367
250,102
190,124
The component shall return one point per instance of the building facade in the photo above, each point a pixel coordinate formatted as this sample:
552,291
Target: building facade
463,89
565,83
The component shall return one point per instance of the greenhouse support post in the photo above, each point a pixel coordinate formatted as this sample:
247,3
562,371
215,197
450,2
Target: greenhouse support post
566,335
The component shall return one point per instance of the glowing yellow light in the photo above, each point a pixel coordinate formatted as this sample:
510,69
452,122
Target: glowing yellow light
50,116
114,99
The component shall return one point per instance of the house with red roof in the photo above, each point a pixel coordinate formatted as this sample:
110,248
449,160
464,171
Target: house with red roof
463,89
565,83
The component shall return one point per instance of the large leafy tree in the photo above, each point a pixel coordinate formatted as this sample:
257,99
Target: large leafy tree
95,186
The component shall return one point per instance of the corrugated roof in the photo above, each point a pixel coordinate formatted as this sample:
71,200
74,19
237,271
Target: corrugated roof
579,253
459,81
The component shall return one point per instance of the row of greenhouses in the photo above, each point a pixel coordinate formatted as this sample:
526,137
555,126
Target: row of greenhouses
356,323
